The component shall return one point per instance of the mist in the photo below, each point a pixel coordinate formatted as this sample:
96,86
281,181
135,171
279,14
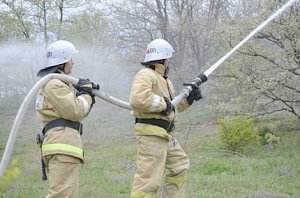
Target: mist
114,75
20,62
17,58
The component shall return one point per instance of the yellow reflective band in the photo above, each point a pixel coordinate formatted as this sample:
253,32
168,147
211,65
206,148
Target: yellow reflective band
141,195
148,129
176,181
62,147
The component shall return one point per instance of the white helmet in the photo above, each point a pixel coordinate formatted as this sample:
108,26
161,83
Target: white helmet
58,53
158,49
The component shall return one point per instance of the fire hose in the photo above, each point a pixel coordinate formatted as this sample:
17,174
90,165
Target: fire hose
26,102
203,77
184,93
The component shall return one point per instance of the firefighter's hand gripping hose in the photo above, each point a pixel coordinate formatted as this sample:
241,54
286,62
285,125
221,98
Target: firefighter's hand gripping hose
185,92
194,95
188,89
85,86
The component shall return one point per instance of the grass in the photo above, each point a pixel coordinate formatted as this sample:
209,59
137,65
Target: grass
110,151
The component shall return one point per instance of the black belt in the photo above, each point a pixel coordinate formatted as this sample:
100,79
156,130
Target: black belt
168,126
60,122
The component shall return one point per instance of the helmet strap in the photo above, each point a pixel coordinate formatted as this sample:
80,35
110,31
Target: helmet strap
167,69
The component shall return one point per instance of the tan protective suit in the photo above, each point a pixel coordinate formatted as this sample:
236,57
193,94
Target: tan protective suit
157,149
62,147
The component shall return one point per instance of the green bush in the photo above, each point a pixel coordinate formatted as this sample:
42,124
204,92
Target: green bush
262,131
238,133
272,141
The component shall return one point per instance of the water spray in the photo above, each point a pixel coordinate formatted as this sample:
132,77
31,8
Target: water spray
203,77
185,92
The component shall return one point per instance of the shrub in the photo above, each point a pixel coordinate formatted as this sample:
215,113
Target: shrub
262,131
238,133
272,141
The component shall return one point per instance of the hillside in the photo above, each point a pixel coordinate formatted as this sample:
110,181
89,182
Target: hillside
110,152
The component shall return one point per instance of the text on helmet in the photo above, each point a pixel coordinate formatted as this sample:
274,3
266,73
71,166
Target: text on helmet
49,54
151,50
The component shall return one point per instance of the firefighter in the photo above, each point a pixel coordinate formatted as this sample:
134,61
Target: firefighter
61,111
157,149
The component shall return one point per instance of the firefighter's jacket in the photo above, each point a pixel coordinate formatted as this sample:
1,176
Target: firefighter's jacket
57,100
149,86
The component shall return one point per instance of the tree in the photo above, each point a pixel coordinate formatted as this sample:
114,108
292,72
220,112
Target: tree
189,25
89,27
279,81
266,71
37,19
14,19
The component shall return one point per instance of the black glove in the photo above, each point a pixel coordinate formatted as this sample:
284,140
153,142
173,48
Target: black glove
170,107
95,86
85,86
194,95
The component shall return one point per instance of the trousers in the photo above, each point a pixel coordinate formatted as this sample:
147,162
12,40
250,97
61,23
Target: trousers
63,175
159,159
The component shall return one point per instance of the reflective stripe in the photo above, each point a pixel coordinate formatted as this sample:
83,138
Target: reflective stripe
85,104
155,103
141,195
148,129
62,147
176,180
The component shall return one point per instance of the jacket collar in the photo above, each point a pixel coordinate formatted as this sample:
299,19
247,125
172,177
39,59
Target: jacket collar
160,68
60,72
